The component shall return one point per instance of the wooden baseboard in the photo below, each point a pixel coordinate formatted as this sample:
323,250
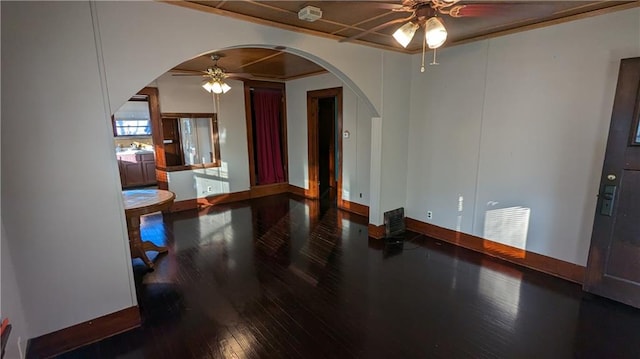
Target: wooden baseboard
268,190
376,232
254,192
197,203
64,340
353,207
262,191
556,267
299,191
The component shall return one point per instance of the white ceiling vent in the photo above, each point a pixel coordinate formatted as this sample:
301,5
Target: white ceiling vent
309,13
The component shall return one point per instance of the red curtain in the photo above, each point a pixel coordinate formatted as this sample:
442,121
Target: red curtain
266,105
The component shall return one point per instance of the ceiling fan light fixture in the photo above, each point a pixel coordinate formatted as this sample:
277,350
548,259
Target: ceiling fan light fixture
435,33
225,87
405,33
207,85
216,86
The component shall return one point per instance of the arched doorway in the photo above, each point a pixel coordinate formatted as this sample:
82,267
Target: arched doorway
180,92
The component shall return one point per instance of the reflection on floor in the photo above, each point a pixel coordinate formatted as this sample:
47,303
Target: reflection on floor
284,277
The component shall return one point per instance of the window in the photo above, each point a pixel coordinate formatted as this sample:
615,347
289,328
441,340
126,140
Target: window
190,140
133,118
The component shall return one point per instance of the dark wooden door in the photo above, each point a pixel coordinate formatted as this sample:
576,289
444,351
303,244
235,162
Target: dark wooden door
613,269
326,144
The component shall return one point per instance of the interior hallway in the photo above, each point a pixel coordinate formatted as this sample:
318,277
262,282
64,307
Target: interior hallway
280,277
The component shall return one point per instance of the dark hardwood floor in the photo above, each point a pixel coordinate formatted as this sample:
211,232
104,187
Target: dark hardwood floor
281,277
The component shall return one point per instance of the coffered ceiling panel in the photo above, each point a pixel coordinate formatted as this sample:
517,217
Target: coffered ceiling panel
372,23
343,19
253,63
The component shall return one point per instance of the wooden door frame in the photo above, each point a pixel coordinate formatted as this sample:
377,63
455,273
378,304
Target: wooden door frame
312,140
248,84
156,135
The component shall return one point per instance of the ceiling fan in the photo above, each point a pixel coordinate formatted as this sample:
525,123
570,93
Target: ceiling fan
214,76
426,13
424,10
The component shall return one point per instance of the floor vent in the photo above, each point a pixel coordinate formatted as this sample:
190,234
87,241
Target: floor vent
394,226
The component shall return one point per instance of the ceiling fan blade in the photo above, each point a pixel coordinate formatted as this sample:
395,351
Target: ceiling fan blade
181,74
376,28
185,72
239,75
390,5
476,10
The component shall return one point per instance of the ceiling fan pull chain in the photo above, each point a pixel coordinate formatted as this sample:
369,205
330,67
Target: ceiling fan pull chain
217,106
216,102
434,58
424,44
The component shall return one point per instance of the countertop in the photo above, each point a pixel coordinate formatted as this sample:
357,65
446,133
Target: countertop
129,151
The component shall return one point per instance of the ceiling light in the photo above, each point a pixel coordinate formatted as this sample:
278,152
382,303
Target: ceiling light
216,86
225,87
207,85
435,33
405,33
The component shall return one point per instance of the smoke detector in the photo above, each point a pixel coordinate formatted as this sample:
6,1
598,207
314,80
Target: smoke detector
309,13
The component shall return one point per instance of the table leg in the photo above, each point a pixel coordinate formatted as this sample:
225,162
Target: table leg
150,246
137,246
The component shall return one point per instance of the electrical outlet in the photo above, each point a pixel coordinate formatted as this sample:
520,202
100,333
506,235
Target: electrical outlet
429,215
360,195
209,189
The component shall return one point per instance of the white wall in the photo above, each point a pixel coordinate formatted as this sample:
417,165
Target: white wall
356,118
10,301
393,137
61,204
356,150
520,120
184,94
445,136
136,37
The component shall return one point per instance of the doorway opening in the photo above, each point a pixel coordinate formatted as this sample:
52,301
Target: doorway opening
324,128
266,137
133,133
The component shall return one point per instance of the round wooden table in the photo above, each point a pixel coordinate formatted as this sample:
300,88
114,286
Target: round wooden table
138,203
